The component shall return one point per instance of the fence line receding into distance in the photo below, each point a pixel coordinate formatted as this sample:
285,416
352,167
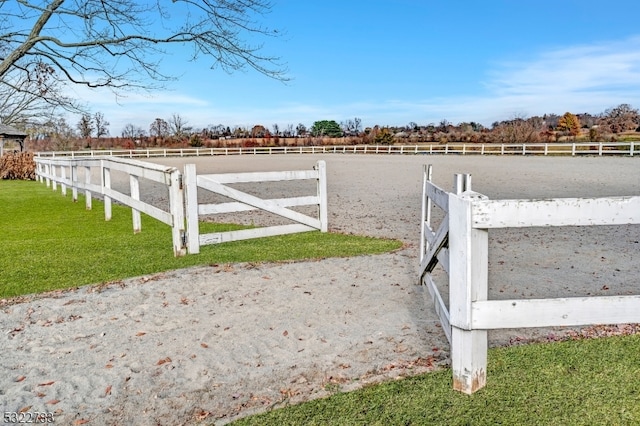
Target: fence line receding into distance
67,172
548,149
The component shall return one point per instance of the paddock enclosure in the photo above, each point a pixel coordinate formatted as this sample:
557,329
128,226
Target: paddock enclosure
381,196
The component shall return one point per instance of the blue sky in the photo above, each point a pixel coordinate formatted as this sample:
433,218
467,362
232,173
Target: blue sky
394,62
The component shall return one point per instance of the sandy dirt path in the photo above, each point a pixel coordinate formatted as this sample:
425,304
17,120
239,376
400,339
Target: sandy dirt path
217,342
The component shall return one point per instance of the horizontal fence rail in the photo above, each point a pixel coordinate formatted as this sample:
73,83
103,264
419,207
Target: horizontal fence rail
548,149
66,171
460,246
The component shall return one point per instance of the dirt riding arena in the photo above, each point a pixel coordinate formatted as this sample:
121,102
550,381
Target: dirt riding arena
217,342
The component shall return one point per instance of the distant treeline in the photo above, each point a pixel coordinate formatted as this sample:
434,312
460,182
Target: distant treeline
621,123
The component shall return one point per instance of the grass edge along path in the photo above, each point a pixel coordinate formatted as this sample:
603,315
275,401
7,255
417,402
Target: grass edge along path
51,243
573,382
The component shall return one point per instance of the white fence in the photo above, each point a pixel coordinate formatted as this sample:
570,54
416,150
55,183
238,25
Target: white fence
242,201
67,172
77,174
460,246
581,148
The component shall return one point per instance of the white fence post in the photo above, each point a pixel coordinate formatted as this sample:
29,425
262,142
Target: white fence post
54,184
176,208
74,183
87,192
425,218
63,177
191,190
106,176
321,167
468,282
135,194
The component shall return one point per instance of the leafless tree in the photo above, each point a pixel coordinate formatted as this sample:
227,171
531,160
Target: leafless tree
159,128
351,127
117,43
102,125
178,126
288,131
58,131
301,130
518,130
85,126
216,130
131,131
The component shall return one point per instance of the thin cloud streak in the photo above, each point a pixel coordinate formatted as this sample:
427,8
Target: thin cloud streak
565,71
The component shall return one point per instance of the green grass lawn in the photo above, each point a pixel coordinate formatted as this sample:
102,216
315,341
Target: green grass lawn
580,382
50,243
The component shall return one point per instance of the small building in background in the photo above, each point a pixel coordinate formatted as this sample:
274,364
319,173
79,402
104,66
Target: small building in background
11,134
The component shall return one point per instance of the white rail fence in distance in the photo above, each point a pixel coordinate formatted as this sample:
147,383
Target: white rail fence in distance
460,245
546,149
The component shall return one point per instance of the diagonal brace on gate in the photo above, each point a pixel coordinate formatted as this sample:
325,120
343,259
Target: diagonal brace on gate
266,205
436,243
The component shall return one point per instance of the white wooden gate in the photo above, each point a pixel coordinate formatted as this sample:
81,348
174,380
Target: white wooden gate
460,245
242,201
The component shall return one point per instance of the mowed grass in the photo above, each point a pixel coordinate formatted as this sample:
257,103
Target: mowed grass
585,382
50,243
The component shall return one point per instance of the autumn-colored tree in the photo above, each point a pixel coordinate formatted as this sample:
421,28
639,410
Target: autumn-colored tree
569,123
259,131
383,137
620,119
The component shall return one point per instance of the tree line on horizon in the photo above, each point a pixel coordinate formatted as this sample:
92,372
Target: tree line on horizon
91,131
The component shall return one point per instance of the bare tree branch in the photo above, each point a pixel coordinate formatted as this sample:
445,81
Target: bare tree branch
117,43
32,94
